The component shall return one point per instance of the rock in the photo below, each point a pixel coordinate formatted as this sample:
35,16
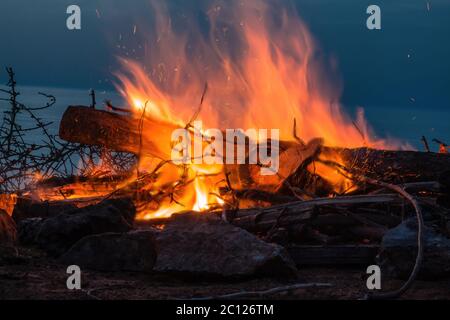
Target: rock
57,234
132,251
447,229
27,208
8,255
8,231
444,182
399,250
443,201
204,245
28,230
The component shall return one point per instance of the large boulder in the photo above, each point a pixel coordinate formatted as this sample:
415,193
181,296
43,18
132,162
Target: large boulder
444,182
26,208
132,251
204,245
8,232
28,229
399,251
57,234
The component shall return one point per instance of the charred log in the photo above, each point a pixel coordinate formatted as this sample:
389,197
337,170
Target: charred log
302,212
396,167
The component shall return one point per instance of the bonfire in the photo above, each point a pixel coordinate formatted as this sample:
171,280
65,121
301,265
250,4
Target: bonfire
335,195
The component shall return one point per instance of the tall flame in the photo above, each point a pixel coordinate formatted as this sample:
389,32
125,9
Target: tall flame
262,69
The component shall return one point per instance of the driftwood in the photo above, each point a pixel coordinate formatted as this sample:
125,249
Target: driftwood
289,214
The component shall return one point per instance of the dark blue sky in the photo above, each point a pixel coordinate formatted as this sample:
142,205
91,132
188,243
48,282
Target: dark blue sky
374,65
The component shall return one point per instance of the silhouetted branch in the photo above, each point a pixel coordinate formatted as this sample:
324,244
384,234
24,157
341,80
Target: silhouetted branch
29,151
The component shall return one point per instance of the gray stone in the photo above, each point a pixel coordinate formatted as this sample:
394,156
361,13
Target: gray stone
57,234
132,251
28,229
444,182
26,208
399,250
204,245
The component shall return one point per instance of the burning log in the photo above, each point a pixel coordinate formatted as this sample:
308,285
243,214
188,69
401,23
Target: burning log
121,133
117,132
294,158
89,126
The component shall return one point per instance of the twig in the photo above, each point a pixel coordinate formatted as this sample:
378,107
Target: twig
200,106
425,144
360,132
110,106
442,146
440,142
261,195
294,132
90,292
93,102
246,294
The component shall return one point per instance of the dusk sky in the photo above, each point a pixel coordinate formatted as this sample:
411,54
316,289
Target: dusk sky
406,65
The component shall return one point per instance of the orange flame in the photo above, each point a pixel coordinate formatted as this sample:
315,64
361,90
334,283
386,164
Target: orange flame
262,70
261,73
272,79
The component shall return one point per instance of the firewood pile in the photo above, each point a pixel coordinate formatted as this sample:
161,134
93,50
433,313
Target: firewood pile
393,207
